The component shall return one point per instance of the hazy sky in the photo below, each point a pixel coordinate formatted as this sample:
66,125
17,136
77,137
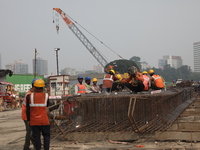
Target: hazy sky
145,28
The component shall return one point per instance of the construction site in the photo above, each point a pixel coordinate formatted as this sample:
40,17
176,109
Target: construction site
166,119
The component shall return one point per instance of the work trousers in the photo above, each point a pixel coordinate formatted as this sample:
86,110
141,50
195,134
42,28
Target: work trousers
28,135
138,88
45,130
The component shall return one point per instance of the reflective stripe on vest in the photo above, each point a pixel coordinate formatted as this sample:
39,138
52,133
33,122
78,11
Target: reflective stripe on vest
105,78
155,78
38,105
81,88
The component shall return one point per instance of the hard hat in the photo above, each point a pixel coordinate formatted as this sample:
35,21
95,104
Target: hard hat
132,71
144,72
39,83
87,78
94,79
113,71
34,80
150,71
118,76
80,77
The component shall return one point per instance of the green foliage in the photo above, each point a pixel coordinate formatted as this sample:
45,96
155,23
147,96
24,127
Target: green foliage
170,74
136,59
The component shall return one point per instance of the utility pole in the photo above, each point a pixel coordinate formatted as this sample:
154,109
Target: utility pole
35,64
57,49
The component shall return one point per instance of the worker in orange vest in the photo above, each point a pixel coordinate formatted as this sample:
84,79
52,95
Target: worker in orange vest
108,81
80,87
146,80
24,118
36,110
135,80
157,81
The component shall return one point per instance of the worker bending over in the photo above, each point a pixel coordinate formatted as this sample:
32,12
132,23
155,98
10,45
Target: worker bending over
135,80
157,81
108,81
146,81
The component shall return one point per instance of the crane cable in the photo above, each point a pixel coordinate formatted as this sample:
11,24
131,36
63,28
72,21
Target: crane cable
95,37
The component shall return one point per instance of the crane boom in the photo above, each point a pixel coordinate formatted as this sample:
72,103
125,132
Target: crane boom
82,38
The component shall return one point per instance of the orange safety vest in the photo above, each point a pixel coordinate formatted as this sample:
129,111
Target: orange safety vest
158,81
38,111
81,88
146,82
107,81
23,114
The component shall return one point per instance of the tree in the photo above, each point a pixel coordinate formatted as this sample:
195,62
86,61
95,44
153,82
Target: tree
136,59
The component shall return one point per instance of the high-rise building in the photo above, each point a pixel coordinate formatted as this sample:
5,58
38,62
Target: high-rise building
144,65
173,61
41,66
98,68
196,49
18,67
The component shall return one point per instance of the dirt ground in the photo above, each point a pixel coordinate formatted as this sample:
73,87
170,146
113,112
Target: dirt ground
12,133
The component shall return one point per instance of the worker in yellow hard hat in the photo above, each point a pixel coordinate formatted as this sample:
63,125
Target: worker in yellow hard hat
108,81
136,79
95,88
156,80
146,80
36,110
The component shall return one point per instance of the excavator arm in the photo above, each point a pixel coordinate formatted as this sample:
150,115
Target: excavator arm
82,38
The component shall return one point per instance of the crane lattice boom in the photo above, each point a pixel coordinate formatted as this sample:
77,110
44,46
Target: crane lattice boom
82,38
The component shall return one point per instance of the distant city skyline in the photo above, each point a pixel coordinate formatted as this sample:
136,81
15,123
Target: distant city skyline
147,29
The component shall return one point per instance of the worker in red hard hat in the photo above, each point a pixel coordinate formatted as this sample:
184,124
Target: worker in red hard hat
80,88
135,80
95,88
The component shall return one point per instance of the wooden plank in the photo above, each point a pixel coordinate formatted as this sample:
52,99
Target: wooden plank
95,136
189,126
176,135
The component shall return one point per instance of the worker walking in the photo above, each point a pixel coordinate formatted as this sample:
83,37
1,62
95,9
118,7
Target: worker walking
95,88
24,118
135,80
36,110
80,87
108,81
146,81
157,81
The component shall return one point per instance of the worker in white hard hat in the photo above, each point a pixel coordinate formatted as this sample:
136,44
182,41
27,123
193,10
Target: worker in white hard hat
95,88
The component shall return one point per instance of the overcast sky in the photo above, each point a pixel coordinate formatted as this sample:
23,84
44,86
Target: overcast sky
145,28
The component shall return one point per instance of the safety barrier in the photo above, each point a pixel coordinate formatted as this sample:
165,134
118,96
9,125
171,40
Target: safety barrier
143,113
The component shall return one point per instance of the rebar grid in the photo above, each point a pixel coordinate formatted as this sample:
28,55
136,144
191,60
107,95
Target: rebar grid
118,113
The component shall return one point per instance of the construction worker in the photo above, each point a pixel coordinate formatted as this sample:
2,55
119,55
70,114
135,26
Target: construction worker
108,81
36,110
135,80
157,81
146,80
24,118
87,84
95,88
80,88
